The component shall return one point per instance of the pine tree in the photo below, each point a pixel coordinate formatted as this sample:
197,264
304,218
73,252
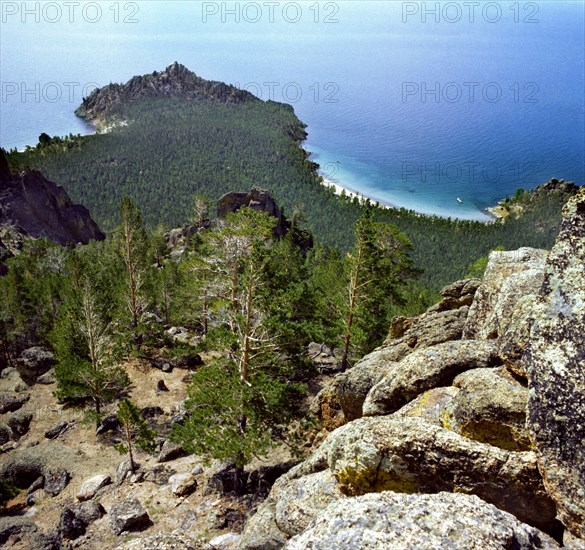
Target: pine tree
133,249
83,339
135,432
240,404
376,268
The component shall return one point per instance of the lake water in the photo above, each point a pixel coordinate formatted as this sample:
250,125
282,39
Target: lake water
413,103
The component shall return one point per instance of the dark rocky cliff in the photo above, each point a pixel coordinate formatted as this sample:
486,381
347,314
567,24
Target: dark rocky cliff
32,206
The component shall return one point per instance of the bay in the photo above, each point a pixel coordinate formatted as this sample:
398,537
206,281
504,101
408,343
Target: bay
415,104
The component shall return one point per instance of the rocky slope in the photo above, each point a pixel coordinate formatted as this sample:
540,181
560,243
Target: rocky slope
482,395
32,206
175,81
465,429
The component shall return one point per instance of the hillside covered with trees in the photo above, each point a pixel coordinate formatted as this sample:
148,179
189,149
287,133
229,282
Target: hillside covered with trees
171,135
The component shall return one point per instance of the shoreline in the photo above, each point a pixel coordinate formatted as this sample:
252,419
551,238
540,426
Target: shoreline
351,193
490,211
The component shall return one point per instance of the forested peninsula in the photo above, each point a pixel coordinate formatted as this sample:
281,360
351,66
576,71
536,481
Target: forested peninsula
172,135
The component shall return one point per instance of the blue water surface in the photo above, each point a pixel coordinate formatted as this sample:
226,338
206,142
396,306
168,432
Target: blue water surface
415,104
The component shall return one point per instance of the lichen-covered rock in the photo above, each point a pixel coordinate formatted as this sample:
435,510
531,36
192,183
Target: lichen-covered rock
325,359
56,479
75,519
291,506
456,295
182,484
128,516
430,405
426,369
401,522
342,399
508,277
25,466
170,451
512,344
409,455
409,334
555,362
491,408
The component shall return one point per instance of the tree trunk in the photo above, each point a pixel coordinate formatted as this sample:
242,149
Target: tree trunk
129,443
98,412
353,288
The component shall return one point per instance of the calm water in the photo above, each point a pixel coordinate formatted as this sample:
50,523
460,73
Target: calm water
413,103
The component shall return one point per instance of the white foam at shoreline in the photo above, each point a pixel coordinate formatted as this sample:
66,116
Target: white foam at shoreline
441,213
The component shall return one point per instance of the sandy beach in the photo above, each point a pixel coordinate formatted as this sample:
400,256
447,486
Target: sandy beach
493,212
352,192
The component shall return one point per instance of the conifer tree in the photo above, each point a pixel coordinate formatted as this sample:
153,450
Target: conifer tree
377,266
133,249
135,432
239,404
83,339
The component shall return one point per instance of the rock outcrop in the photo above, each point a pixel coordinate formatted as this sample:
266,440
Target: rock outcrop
426,369
490,407
175,81
32,207
342,400
555,363
402,522
482,395
509,276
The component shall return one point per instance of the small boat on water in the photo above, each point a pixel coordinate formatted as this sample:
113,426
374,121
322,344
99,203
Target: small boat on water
459,200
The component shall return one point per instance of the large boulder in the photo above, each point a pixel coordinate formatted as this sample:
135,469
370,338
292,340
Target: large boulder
456,295
92,485
75,519
430,406
291,506
325,359
555,362
491,408
409,455
34,362
408,334
512,344
10,402
342,399
509,276
128,516
24,466
426,369
401,522
182,484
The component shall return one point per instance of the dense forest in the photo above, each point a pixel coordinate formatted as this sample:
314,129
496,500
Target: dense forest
237,298
161,151
249,300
